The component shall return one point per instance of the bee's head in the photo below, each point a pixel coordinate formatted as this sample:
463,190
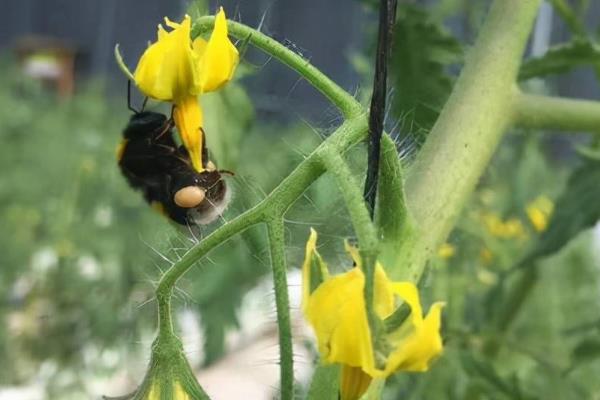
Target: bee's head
206,197
144,124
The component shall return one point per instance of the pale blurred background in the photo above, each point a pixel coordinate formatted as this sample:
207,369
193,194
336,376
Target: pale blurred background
80,251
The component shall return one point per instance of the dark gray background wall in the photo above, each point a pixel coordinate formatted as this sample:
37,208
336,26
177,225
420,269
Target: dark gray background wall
325,31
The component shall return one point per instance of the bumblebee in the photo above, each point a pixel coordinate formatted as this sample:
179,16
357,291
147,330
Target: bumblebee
153,163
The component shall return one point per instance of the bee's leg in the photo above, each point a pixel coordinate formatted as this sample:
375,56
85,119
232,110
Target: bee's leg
129,106
204,148
144,103
226,172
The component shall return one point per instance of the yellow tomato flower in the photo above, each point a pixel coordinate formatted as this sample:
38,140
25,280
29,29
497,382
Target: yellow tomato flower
178,70
335,307
511,228
539,212
446,251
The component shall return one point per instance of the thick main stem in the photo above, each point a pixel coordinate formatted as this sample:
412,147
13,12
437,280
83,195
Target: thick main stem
467,132
275,230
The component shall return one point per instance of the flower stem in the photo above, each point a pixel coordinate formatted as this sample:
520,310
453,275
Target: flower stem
275,230
556,113
275,204
271,211
165,322
363,226
338,96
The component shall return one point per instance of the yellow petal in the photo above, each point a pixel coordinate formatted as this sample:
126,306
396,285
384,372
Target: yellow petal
539,212
154,393
336,311
188,120
353,383
415,352
168,68
179,393
446,251
314,269
218,58
383,294
410,294
383,298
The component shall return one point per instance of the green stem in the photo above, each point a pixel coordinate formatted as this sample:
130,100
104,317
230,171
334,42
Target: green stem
555,113
276,203
467,132
218,237
338,96
275,230
284,195
363,226
271,211
350,190
165,322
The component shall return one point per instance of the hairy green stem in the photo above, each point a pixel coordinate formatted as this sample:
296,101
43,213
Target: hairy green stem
277,202
275,230
467,132
271,211
556,113
363,227
165,322
338,96
359,214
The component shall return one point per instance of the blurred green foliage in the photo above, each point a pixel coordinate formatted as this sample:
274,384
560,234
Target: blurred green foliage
81,250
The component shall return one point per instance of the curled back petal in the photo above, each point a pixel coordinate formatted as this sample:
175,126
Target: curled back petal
415,352
354,382
168,68
337,313
410,294
219,58
314,269
384,302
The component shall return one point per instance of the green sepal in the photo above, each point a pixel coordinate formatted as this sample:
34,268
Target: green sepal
168,370
325,383
121,63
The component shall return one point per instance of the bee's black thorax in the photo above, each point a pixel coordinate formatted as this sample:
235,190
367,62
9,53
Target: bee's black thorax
153,163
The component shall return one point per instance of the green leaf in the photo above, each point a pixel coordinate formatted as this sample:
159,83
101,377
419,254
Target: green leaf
479,368
573,19
563,58
591,152
325,383
421,54
578,208
586,350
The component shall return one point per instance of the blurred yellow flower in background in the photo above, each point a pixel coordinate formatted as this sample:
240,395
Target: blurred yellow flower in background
539,212
335,307
446,251
178,70
511,228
